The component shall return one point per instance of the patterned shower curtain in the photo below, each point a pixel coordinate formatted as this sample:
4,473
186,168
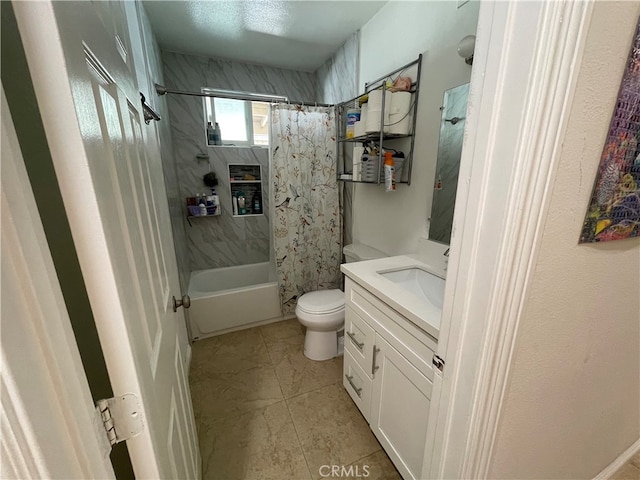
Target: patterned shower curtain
306,217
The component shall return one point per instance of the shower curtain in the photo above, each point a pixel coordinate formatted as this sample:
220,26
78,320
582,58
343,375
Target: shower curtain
306,217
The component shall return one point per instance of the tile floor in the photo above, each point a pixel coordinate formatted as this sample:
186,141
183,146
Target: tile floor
630,470
264,411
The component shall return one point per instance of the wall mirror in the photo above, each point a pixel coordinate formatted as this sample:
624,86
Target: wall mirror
454,110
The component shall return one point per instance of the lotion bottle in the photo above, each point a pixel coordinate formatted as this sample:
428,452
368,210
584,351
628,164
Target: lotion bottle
210,134
389,172
217,135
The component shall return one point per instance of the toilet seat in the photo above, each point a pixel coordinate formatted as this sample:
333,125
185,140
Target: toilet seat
321,302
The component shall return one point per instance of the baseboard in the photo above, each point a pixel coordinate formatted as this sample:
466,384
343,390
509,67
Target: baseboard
614,466
188,359
245,327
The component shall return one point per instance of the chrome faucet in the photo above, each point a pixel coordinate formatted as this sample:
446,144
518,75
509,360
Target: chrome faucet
446,253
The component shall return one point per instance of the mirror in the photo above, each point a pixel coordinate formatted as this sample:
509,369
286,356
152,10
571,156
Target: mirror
454,110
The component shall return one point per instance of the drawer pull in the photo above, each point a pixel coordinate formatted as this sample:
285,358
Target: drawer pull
353,385
374,367
358,344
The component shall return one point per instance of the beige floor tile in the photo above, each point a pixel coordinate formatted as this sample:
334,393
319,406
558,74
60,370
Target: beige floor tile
229,353
374,467
296,373
220,395
331,429
627,472
635,460
284,329
260,445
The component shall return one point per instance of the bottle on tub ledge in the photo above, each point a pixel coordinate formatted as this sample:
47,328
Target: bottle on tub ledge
234,201
211,134
242,207
202,203
217,135
256,203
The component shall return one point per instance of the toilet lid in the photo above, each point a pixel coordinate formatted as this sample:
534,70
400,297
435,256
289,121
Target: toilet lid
322,301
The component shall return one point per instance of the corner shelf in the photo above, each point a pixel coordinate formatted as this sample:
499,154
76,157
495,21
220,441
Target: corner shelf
373,137
217,214
379,140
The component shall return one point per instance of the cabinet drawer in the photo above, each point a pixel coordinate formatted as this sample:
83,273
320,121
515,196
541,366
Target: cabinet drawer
358,339
415,344
357,384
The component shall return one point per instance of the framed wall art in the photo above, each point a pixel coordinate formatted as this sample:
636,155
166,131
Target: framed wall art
614,208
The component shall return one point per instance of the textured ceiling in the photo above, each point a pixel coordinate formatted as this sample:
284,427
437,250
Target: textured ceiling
292,34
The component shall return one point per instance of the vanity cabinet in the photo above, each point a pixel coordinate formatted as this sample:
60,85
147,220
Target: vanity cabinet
388,373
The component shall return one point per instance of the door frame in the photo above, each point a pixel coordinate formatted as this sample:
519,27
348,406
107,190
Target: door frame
526,65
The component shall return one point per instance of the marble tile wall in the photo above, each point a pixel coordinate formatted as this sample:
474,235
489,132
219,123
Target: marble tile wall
337,81
223,240
337,78
176,210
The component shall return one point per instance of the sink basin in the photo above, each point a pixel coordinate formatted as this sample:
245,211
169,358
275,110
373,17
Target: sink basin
419,282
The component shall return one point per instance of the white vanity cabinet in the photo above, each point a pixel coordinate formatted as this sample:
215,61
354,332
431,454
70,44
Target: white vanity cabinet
388,373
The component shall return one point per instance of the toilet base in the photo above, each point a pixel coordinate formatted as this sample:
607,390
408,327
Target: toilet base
320,345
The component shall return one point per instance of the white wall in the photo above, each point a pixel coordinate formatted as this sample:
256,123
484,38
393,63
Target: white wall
573,402
396,35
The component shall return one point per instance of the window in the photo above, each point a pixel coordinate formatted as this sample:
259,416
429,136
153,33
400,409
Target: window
242,122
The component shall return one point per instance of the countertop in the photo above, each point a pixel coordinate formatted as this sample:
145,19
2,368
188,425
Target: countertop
418,311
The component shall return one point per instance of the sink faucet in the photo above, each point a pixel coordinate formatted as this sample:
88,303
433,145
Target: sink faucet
446,253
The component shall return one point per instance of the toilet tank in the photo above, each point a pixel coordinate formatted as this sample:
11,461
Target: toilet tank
357,252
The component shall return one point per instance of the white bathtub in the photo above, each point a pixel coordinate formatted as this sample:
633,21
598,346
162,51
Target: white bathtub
229,298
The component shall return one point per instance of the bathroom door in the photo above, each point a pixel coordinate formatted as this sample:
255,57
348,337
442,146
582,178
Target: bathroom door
48,427
83,71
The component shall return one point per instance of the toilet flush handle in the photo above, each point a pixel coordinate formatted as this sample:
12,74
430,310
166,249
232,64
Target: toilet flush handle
185,302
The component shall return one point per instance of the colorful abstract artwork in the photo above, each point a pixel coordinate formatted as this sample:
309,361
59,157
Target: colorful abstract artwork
614,210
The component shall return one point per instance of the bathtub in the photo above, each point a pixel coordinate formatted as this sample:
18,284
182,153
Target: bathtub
230,298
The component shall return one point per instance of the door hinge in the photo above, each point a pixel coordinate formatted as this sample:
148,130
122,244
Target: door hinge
438,363
121,416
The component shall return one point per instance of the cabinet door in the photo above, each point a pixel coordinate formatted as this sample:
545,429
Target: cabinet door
400,401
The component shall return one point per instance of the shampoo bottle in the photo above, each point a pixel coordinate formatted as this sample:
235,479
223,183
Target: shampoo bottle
242,210
217,135
210,134
256,203
389,172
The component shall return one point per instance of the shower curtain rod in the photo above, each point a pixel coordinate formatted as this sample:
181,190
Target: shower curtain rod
254,97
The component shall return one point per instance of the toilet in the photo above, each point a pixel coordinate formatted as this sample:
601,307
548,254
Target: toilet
322,312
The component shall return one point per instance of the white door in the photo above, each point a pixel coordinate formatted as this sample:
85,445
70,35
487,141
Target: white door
400,399
84,76
48,420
